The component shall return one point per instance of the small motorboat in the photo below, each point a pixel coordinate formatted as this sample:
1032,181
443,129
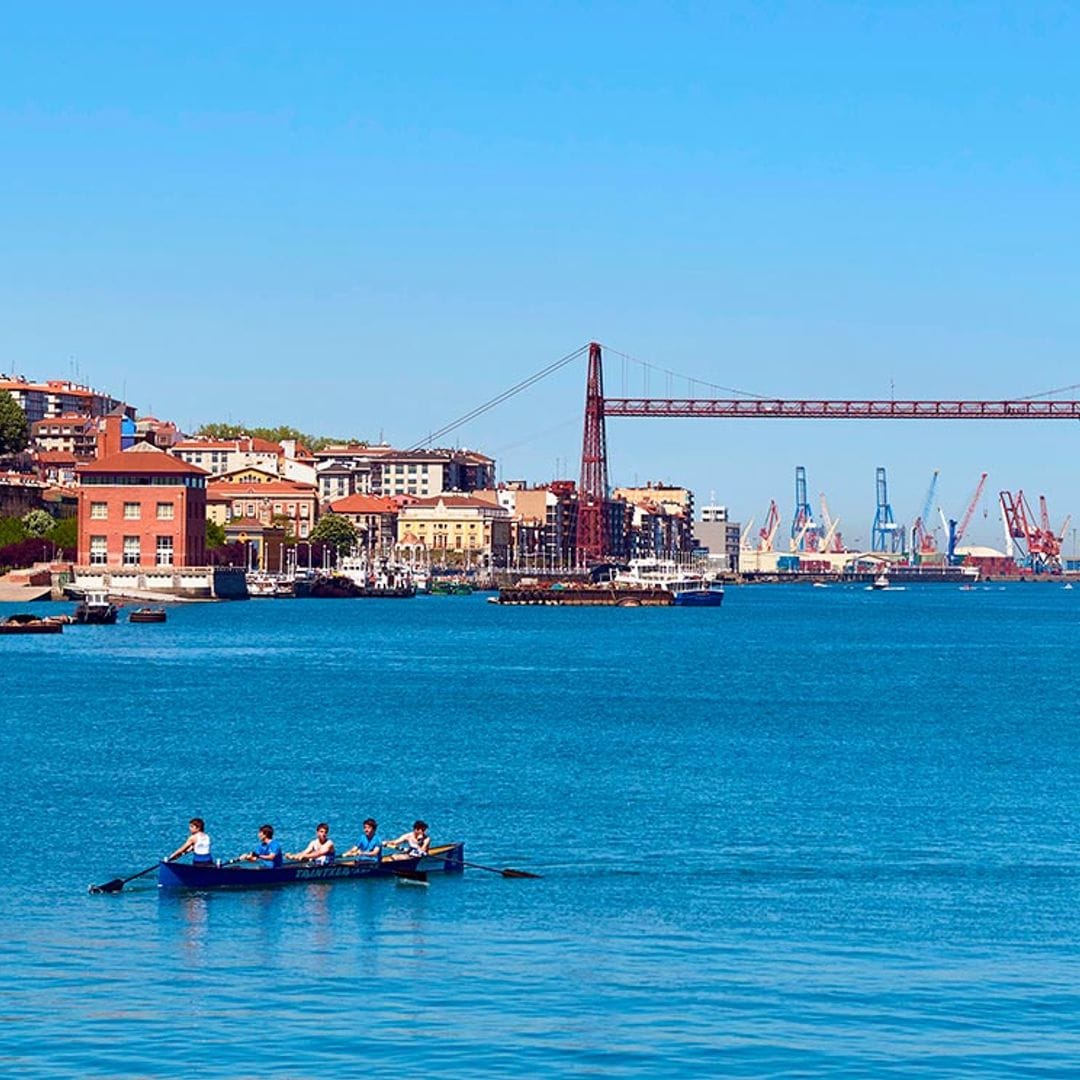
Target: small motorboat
147,614
29,624
880,582
95,609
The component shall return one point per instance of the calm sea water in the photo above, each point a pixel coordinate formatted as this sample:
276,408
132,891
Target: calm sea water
816,832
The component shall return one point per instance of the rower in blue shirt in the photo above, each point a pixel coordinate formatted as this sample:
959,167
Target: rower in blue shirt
369,846
269,850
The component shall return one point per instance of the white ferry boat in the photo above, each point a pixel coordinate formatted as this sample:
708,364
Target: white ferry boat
689,588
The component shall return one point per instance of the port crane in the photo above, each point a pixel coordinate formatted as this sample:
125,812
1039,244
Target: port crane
832,541
955,533
1040,545
768,531
885,535
804,530
923,541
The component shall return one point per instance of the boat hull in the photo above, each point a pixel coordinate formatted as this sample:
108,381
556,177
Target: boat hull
147,616
177,875
96,617
699,598
39,627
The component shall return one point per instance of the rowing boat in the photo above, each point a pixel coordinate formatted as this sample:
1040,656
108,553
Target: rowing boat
446,858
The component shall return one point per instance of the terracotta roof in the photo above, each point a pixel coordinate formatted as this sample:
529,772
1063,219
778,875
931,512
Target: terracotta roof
56,457
64,418
457,501
246,444
230,489
244,470
141,459
364,504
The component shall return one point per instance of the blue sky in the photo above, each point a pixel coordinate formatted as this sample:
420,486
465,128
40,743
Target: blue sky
362,221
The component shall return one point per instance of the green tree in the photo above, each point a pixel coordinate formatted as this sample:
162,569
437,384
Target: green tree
219,430
12,531
37,523
65,534
14,427
335,530
215,535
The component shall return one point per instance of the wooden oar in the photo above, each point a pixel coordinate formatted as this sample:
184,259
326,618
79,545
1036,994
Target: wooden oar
505,872
118,883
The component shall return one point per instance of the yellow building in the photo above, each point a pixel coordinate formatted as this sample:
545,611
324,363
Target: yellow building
458,526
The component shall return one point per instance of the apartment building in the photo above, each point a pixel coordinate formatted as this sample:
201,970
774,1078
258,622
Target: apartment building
58,397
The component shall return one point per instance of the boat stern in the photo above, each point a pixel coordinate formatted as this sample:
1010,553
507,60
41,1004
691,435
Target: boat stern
450,858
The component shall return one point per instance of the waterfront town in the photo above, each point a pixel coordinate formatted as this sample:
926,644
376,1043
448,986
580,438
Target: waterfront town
158,510
94,494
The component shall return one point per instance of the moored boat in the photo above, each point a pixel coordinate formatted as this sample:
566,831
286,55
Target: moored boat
341,587
147,615
445,858
95,608
688,588
30,624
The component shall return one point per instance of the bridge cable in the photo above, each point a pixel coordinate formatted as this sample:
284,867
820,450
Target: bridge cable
691,380
500,398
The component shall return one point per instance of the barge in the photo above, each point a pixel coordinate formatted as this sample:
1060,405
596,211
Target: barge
580,595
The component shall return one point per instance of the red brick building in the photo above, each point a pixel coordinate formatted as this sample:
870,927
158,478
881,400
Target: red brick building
141,507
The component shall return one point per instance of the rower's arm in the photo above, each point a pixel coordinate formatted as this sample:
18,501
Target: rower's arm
187,845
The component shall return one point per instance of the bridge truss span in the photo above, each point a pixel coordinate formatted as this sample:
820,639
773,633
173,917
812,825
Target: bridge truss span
789,409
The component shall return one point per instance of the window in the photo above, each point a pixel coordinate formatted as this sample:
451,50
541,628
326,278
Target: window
132,552
132,511
164,551
99,551
250,509
304,508
99,511
238,509
303,529
165,511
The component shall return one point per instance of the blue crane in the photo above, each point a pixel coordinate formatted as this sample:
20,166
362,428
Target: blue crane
803,527
885,535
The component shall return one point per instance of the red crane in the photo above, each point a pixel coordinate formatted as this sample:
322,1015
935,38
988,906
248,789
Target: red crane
768,530
1041,546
